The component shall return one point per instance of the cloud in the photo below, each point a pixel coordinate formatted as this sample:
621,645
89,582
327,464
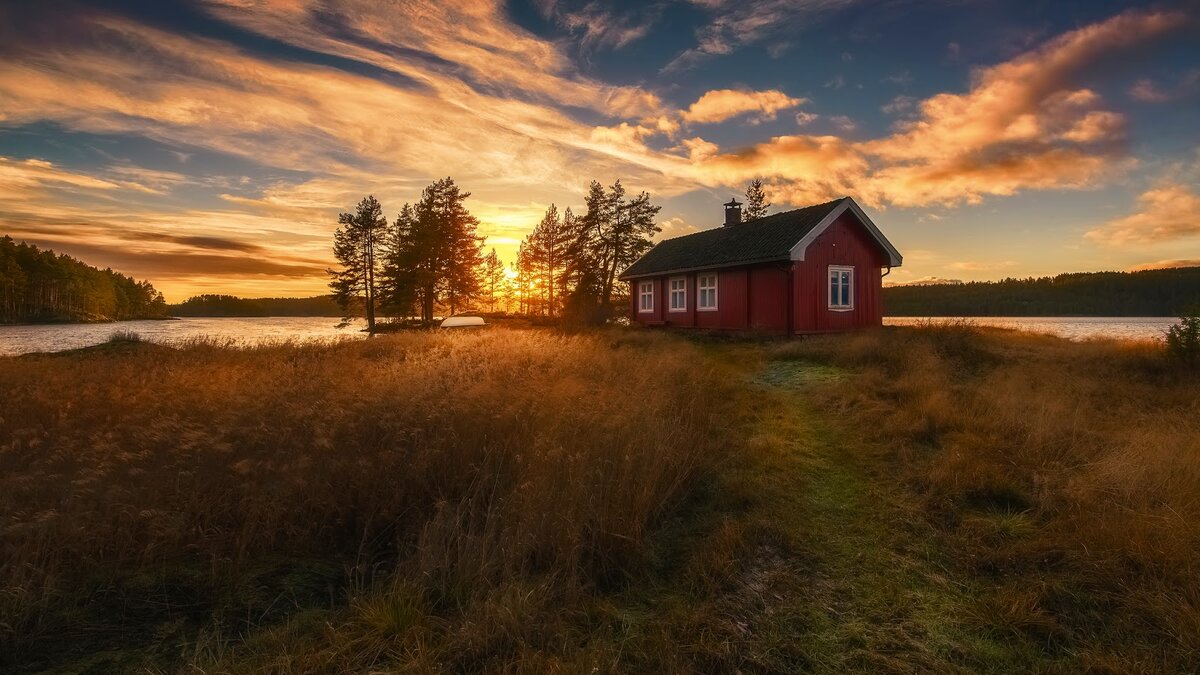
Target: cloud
1025,124
734,24
898,105
1147,91
675,226
805,118
1165,265
599,27
982,266
1169,212
719,105
924,281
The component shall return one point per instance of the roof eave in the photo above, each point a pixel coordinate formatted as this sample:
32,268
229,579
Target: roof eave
683,270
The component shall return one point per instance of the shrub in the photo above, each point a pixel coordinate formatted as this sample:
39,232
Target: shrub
1183,340
123,336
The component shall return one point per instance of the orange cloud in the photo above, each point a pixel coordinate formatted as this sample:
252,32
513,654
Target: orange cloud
719,105
1024,124
1166,213
1165,265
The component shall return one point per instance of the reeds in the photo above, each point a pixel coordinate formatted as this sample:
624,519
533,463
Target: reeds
1067,475
444,465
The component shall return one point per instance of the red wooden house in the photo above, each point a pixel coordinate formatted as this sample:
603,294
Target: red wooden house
811,270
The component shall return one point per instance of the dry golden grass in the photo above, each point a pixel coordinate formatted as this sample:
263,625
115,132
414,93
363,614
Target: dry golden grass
435,490
1065,476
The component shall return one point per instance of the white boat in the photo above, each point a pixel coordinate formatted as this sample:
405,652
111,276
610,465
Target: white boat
462,321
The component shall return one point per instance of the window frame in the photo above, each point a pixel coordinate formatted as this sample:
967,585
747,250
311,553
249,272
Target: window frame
645,290
700,288
829,286
672,291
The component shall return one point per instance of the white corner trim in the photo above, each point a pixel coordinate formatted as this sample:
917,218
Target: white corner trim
798,251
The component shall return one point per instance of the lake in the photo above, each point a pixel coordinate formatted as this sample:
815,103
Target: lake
257,330
1073,327
246,330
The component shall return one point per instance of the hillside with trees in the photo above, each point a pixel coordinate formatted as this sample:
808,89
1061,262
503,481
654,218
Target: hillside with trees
38,286
1168,292
232,305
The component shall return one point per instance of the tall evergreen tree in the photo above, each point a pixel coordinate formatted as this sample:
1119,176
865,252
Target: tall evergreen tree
493,279
756,200
447,252
612,233
547,248
629,235
398,291
355,244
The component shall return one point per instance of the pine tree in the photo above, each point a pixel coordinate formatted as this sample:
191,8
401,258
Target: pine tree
446,251
398,288
547,248
611,234
493,279
756,200
355,244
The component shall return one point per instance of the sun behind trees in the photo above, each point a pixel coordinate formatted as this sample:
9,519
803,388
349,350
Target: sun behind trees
431,259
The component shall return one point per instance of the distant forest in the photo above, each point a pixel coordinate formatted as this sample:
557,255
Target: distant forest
42,286
1169,292
230,305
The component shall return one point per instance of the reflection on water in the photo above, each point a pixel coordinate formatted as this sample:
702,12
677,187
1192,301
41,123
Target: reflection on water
249,330
257,330
1073,327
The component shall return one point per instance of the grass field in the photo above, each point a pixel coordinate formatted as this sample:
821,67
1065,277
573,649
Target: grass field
941,498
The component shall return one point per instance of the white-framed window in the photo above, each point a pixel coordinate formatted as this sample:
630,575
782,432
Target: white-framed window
645,297
841,288
678,294
706,292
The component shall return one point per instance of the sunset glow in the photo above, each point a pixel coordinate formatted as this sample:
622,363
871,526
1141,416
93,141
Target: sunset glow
208,146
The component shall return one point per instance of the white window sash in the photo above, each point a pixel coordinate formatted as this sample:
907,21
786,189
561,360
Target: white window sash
678,295
646,297
839,282
706,292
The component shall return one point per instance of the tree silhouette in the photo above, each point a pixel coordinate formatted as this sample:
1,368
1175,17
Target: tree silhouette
492,276
756,200
354,245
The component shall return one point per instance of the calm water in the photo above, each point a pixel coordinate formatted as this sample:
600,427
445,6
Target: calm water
1073,327
251,330
256,330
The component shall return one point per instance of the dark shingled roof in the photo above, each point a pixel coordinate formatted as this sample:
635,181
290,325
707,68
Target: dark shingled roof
760,240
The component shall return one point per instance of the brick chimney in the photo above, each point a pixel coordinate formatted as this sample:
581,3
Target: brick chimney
733,212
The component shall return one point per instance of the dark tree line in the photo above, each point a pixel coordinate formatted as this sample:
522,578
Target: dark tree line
231,305
37,285
430,259
1169,292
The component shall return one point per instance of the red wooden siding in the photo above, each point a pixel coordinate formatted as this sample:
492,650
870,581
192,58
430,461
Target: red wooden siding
845,242
756,297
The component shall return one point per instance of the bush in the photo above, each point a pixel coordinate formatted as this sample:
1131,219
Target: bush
1183,340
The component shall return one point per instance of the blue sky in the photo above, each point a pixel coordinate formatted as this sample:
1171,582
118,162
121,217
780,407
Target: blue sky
209,145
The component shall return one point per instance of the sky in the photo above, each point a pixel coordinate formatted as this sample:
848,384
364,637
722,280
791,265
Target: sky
209,145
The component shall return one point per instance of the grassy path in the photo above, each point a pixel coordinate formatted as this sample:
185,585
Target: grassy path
828,573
